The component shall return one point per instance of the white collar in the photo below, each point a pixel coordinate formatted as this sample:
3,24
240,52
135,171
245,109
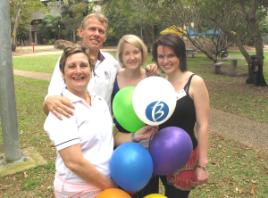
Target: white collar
74,98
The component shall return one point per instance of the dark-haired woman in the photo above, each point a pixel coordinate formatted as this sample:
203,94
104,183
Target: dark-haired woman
191,114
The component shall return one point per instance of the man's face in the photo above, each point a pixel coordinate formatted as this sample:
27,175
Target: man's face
93,33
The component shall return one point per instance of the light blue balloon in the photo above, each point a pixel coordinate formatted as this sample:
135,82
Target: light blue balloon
131,166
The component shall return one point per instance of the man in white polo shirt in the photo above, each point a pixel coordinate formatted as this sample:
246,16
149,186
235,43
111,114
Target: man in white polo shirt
92,31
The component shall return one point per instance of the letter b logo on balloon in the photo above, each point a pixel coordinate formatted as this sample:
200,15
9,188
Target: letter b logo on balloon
157,111
154,100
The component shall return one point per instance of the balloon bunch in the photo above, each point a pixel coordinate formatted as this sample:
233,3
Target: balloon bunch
151,102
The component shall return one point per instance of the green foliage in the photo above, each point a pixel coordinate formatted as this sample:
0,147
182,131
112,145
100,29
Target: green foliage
27,8
137,17
23,34
72,15
21,16
117,11
49,28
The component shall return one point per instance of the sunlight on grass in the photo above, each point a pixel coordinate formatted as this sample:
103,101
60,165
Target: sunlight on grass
39,63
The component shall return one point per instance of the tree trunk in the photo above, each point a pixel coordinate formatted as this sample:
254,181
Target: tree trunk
15,27
255,74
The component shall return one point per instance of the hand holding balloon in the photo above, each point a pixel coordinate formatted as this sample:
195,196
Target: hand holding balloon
144,133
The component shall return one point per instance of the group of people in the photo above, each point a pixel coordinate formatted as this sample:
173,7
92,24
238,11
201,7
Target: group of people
78,105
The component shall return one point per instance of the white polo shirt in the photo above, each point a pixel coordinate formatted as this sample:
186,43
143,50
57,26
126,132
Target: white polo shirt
102,80
91,127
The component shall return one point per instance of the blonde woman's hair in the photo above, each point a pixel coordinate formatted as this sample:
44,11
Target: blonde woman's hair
135,41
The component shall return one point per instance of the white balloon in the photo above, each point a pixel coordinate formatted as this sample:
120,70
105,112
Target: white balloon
154,100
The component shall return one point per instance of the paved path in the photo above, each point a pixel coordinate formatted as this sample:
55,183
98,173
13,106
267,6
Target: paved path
33,75
239,128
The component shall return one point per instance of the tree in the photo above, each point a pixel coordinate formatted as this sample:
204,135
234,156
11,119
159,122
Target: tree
49,29
237,21
194,18
73,11
250,11
242,23
137,17
117,11
22,10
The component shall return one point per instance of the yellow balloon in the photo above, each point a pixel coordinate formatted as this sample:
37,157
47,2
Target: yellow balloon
155,195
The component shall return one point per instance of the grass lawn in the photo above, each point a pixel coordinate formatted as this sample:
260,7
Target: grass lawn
38,63
232,94
235,170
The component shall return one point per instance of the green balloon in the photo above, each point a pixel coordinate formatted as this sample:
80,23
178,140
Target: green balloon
124,112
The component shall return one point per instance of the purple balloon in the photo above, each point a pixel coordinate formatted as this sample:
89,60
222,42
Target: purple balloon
170,149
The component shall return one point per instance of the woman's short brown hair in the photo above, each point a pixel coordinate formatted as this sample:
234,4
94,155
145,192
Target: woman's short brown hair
70,50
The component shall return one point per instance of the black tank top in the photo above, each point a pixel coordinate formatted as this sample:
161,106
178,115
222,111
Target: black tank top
184,115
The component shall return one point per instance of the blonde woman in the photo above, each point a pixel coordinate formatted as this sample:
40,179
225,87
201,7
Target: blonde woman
131,54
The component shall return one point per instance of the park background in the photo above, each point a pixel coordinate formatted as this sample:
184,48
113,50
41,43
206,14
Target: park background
237,168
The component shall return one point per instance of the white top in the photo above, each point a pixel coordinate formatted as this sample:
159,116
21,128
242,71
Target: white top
91,127
102,79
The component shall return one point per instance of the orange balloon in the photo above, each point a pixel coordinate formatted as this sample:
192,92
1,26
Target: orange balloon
113,193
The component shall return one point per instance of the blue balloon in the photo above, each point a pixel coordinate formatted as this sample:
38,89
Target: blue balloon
131,166
170,149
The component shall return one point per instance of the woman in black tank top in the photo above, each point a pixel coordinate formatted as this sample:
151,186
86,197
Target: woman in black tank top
191,114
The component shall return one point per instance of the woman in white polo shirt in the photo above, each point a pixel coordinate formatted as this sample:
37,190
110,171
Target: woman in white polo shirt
84,142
